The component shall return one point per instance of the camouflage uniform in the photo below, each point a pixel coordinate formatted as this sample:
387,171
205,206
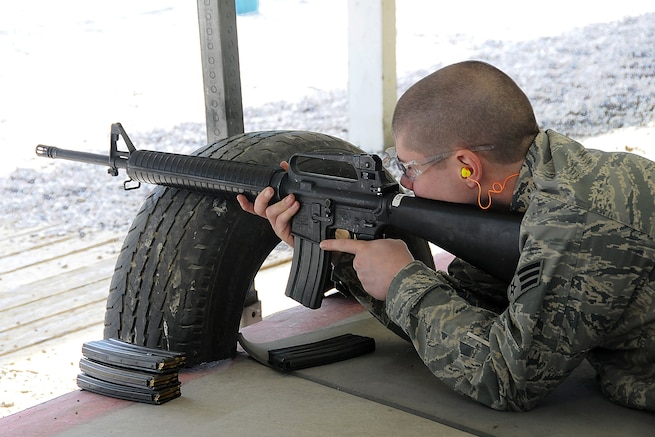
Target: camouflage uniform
584,287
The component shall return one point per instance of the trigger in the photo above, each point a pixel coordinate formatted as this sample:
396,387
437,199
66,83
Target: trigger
342,234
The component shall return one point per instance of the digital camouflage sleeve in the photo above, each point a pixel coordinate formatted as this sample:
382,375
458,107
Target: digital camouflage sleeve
584,287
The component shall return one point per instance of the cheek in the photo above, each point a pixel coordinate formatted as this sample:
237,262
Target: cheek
437,190
430,189
405,182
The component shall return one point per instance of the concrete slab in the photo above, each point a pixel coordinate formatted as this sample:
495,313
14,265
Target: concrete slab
388,392
241,397
395,376
233,397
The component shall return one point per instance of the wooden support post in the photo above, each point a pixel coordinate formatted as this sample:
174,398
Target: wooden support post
372,88
220,68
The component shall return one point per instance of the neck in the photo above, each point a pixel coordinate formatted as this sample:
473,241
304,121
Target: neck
500,185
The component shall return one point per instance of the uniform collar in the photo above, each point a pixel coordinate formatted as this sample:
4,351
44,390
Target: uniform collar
537,157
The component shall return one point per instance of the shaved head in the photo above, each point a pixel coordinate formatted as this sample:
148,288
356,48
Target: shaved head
466,105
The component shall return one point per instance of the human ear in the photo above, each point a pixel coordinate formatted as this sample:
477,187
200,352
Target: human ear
470,167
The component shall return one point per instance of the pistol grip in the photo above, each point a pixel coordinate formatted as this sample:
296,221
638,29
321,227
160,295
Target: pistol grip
309,270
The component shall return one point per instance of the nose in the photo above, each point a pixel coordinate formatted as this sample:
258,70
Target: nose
406,182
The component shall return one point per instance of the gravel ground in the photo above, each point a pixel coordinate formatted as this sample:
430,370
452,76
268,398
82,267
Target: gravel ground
584,83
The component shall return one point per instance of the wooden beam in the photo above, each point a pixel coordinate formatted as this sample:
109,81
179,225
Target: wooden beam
372,89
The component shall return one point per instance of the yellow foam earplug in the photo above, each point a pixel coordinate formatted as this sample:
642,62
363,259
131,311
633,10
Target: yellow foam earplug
466,172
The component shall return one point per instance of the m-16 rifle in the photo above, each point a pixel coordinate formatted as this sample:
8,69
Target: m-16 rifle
360,198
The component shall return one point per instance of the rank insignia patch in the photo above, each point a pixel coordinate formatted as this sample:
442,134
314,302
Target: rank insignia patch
526,278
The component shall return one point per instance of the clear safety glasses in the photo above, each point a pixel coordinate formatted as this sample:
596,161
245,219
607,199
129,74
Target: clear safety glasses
413,169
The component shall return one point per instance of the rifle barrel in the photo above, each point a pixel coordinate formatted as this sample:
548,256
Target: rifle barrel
72,155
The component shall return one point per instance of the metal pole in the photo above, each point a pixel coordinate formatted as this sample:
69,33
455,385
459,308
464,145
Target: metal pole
220,68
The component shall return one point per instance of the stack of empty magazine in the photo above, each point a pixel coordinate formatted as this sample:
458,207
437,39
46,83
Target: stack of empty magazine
126,371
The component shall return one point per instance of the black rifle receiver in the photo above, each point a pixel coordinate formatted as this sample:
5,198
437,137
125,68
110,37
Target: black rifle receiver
352,192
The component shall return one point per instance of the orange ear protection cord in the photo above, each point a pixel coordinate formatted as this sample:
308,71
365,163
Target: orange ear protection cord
496,187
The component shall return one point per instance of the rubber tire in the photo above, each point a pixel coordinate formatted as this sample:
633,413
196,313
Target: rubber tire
189,259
